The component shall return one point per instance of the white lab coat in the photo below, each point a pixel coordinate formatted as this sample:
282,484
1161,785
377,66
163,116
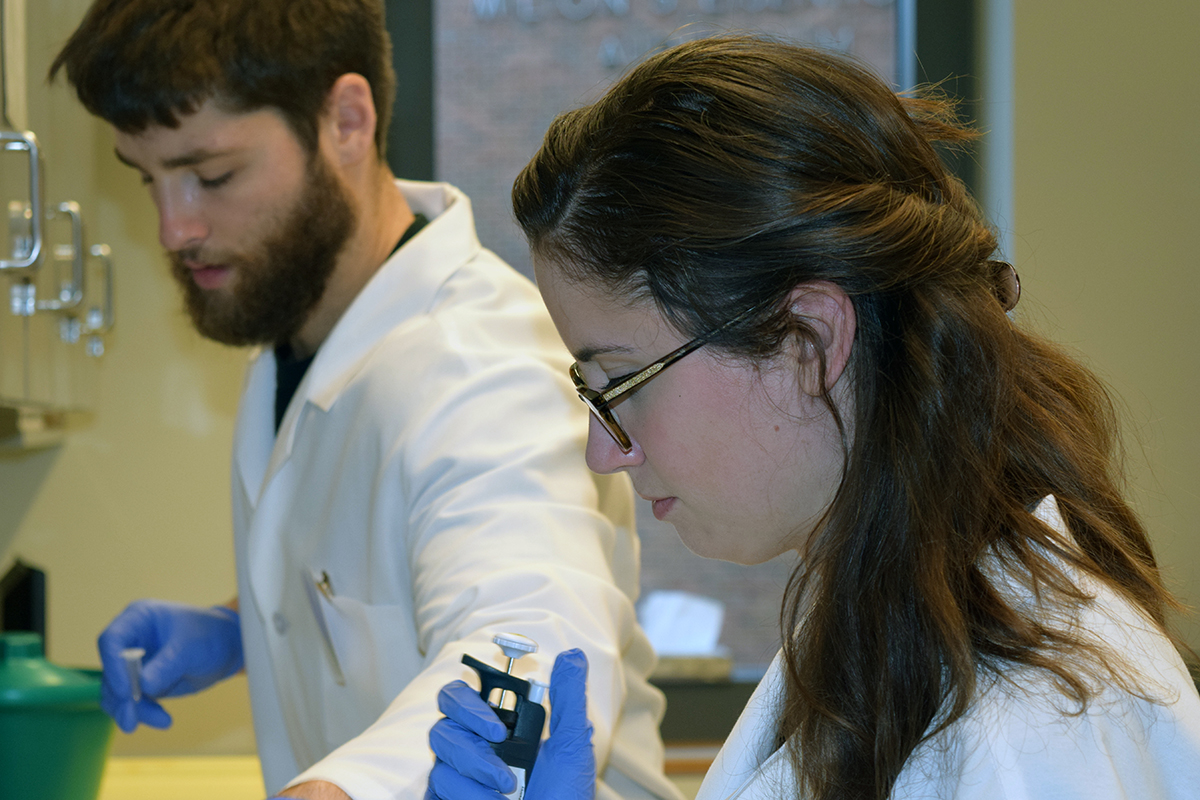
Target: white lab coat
431,465
1016,743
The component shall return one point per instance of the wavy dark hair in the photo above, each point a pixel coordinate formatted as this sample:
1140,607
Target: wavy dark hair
140,62
719,175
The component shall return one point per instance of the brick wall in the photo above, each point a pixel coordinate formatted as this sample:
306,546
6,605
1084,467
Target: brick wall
505,68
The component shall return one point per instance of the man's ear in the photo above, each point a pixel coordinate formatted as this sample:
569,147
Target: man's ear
829,312
348,118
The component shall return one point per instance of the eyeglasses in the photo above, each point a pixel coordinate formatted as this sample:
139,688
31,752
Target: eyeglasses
601,402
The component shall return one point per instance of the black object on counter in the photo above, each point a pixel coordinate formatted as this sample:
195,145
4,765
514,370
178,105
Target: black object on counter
702,711
23,599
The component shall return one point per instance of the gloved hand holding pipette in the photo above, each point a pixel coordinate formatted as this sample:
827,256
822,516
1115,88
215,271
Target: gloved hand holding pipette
468,769
184,649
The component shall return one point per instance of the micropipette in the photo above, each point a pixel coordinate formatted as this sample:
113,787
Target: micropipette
525,720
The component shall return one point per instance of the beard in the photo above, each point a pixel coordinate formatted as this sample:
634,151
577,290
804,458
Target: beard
277,283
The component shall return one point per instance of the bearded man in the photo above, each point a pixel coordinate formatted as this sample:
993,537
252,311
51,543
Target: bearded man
408,471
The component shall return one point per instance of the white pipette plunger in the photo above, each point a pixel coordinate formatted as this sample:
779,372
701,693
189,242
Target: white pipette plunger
513,645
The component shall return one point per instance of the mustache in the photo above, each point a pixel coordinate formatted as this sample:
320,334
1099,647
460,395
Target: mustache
197,255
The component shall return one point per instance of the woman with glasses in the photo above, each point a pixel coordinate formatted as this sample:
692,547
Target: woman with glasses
791,330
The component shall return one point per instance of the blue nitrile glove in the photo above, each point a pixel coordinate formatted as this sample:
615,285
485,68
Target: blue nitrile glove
187,649
566,762
467,769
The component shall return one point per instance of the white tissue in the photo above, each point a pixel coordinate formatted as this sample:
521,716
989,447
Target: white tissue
682,623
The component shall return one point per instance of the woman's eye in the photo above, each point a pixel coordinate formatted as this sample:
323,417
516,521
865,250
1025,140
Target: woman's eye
592,376
617,381
612,384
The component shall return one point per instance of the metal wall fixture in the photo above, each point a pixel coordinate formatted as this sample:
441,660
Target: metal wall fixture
47,246
75,323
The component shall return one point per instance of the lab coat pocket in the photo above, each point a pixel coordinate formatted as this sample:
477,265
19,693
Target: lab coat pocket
315,588
376,650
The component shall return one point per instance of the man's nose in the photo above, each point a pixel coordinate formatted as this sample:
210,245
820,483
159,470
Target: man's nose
604,455
180,221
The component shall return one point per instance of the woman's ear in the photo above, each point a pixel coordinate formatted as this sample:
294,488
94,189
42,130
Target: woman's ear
349,118
828,311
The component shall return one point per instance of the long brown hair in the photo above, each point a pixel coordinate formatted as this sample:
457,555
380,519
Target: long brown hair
719,175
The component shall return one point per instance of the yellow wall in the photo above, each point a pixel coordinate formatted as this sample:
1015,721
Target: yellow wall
137,504
1106,229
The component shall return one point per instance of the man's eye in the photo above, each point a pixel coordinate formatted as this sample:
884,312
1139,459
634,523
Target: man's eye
213,183
146,179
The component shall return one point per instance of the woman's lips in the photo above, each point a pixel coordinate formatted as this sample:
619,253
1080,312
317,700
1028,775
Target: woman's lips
662,507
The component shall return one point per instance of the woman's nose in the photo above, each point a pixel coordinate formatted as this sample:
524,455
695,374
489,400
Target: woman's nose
604,455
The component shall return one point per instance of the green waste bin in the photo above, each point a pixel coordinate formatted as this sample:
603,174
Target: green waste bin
53,736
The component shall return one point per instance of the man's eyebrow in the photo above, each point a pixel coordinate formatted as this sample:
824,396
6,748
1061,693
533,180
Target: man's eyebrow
187,160
586,354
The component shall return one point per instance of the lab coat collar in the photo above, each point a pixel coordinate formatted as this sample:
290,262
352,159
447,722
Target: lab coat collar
752,742
403,287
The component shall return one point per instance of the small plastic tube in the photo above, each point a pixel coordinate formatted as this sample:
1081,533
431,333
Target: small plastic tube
133,666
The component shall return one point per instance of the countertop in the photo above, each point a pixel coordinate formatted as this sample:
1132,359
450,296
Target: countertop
225,777
183,778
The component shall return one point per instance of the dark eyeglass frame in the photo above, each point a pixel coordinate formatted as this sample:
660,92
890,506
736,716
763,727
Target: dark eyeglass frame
600,402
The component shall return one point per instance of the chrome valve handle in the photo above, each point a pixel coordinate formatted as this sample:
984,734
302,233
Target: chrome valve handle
30,254
70,294
100,318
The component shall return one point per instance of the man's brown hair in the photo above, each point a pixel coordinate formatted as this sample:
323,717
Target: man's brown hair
137,63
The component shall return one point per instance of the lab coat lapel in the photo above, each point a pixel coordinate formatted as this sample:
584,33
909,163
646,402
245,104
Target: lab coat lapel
260,451
261,458
751,743
285,437
253,440
255,459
